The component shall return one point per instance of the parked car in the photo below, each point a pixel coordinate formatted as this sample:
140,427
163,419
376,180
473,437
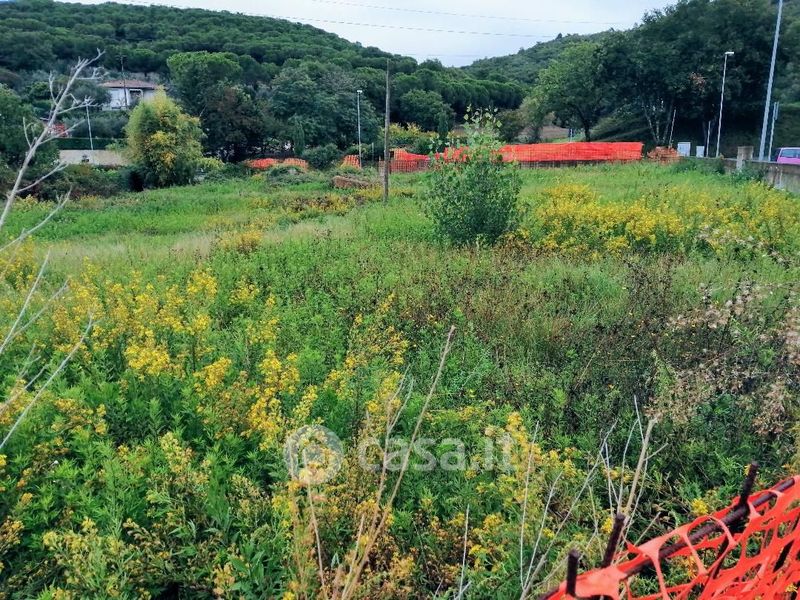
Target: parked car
789,156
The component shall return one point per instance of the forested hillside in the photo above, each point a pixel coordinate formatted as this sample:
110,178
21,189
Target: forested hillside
525,66
297,76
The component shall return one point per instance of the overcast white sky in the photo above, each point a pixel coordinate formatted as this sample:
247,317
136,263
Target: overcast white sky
485,28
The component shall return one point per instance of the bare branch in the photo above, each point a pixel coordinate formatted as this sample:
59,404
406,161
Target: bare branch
46,384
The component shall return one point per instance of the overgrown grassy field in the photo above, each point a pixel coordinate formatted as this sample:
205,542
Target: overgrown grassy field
229,314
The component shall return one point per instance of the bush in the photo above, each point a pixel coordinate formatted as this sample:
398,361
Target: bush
230,171
86,180
322,157
348,170
750,172
164,142
289,175
474,198
701,165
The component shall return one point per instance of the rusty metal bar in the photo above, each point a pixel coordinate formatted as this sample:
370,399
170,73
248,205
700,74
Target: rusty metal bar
573,559
747,486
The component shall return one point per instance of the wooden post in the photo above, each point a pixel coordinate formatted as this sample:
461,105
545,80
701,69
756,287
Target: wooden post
386,152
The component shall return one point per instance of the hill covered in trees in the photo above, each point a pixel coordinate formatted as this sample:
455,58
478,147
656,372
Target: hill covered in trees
524,66
292,81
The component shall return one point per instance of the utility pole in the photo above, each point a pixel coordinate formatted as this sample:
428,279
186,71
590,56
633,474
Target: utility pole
386,152
771,81
775,113
672,130
89,123
358,110
728,54
124,83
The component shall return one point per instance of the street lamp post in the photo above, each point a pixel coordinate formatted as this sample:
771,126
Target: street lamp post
771,81
358,110
728,54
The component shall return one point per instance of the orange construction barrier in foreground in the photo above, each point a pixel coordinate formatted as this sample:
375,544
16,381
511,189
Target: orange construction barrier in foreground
750,550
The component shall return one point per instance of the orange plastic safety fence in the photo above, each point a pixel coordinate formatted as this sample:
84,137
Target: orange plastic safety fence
296,162
351,160
762,561
575,152
263,164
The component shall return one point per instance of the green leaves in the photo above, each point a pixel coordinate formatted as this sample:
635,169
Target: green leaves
471,193
164,142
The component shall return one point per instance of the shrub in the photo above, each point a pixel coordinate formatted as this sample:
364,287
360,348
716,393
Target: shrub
87,180
347,169
164,142
474,197
230,171
322,157
289,175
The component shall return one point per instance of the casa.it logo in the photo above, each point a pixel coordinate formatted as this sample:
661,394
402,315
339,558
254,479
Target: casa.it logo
313,455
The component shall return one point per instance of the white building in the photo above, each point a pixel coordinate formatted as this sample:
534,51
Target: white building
126,93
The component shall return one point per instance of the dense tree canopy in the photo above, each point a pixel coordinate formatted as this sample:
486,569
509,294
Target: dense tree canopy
197,50
573,88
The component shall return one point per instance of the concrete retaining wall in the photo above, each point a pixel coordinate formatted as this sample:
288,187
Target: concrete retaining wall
782,177
100,158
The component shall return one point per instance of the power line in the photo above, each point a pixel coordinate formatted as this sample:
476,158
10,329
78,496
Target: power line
357,24
409,28
467,15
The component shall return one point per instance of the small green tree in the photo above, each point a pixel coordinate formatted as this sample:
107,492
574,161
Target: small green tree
322,157
472,194
164,142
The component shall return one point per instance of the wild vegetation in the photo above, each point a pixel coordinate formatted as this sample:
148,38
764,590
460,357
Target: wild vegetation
269,384
231,313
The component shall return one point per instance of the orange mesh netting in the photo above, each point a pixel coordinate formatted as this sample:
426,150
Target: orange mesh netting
579,152
295,162
263,164
576,151
748,550
351,160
